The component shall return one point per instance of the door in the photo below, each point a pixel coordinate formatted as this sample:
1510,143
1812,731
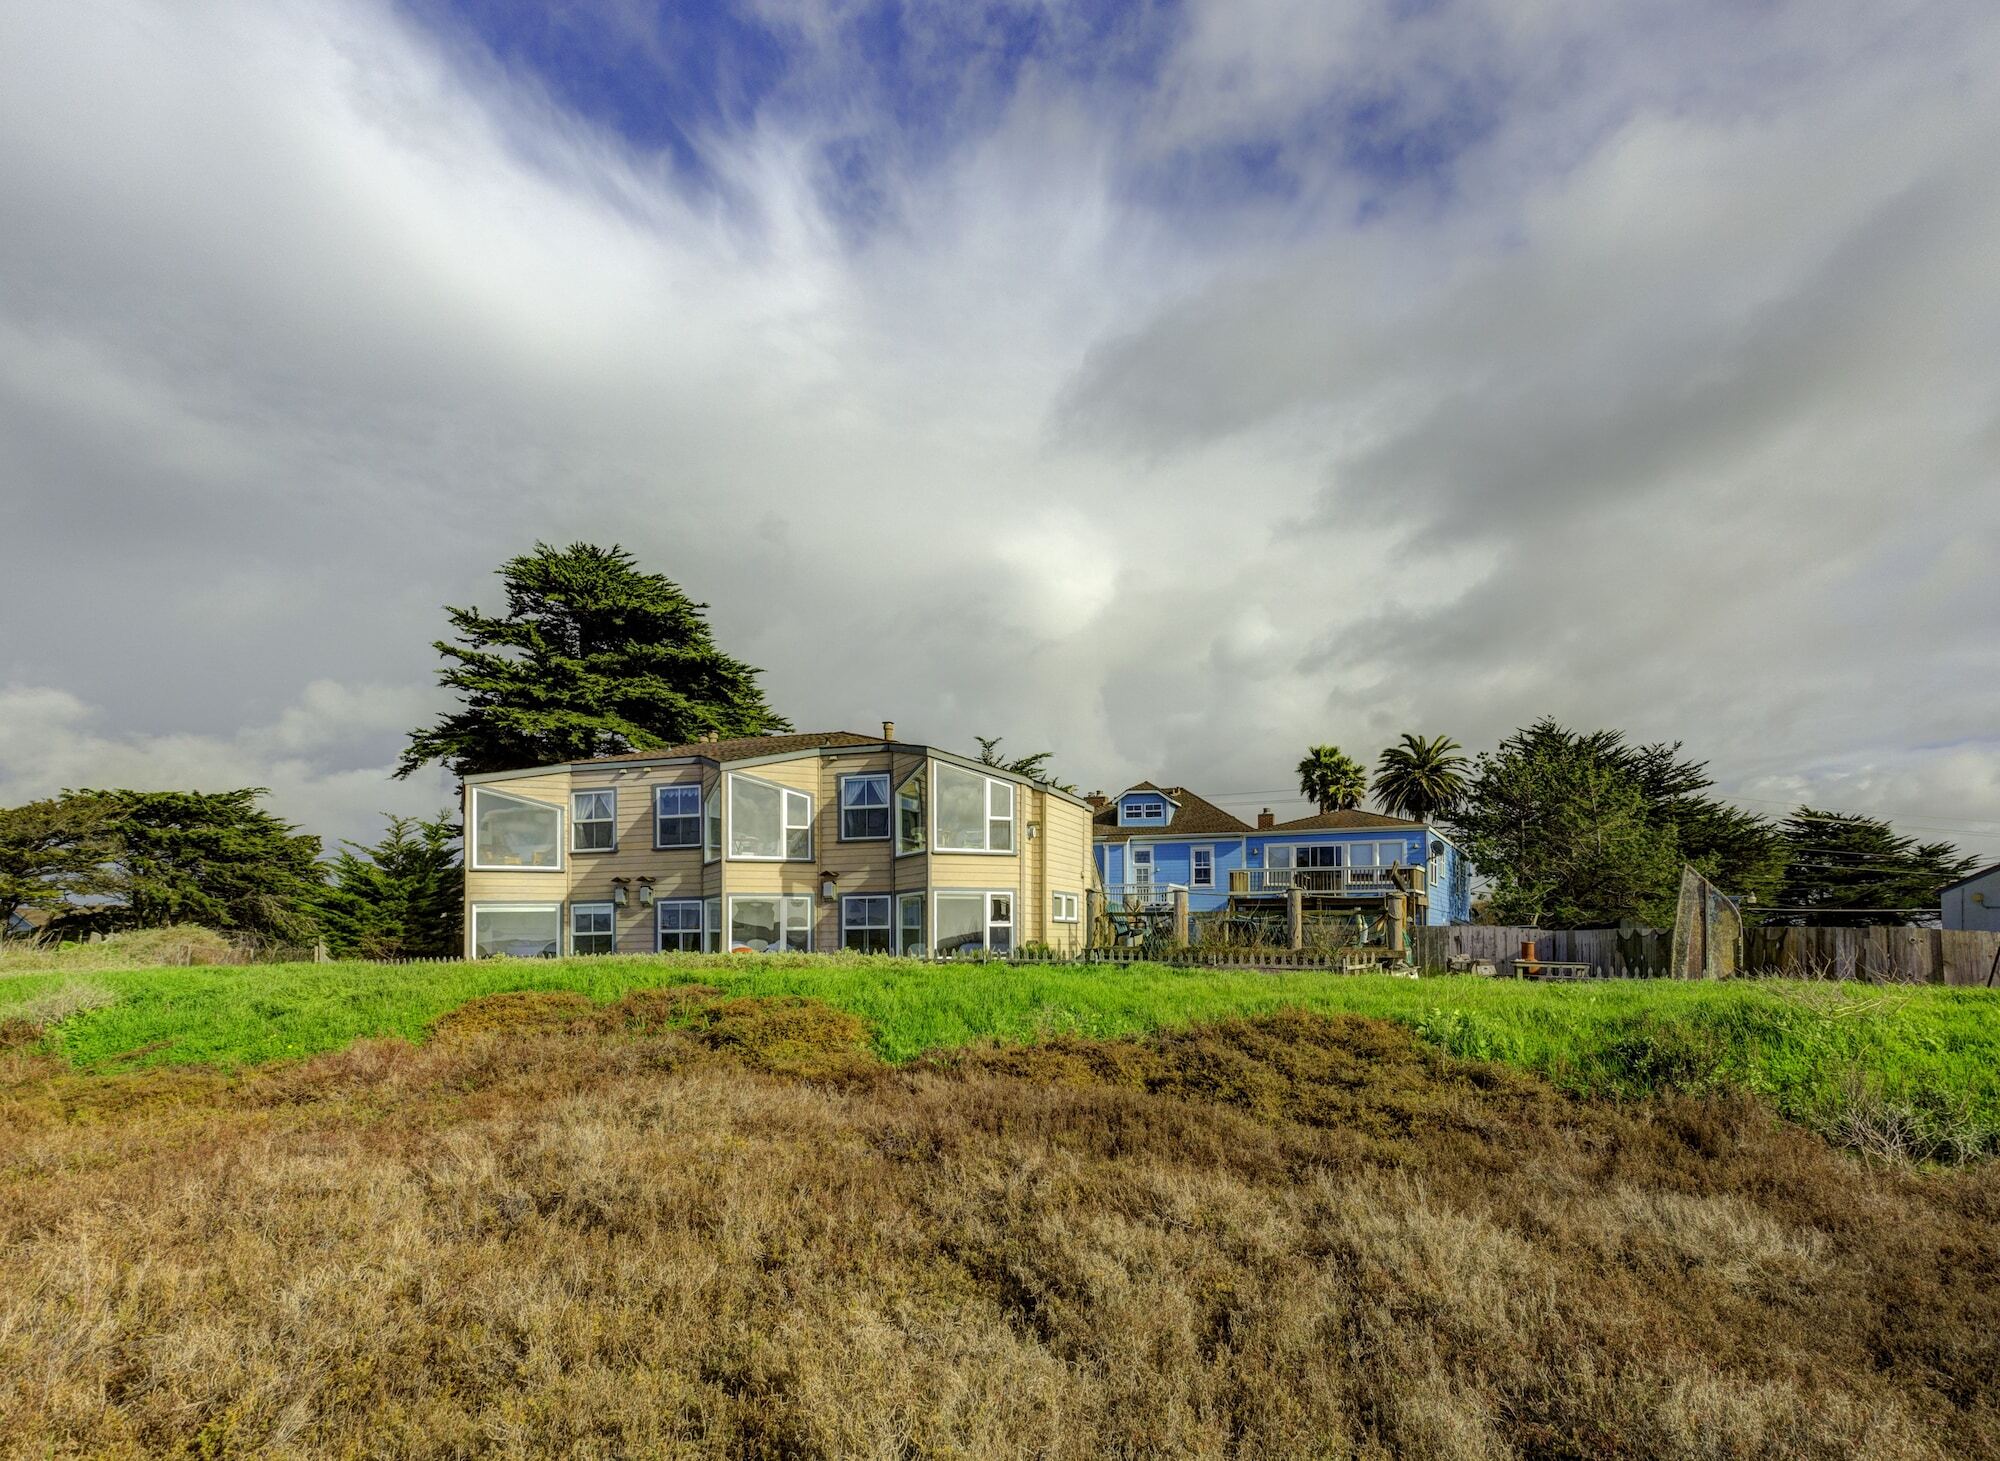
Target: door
1142,871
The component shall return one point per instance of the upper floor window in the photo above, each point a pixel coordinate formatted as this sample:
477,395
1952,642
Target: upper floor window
768,822
711,827
677,816
1063,908
1145,809
864,808
513,832
910,814
975,813
593,821
1201,867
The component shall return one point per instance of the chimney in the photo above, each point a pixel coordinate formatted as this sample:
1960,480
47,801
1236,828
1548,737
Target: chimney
888,730
1265,821
1098,801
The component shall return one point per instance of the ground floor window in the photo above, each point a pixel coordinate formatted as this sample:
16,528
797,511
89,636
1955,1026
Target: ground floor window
591,929
681,926
711,925
974,923
770,924
864,923
516,930
910,925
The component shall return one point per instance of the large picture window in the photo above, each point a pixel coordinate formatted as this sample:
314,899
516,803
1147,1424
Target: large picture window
769,823
593,820
677,816
681,926
864,808
768,925
516,930
910,925
864,923
591,928
974,923
910,814
975,813
513,832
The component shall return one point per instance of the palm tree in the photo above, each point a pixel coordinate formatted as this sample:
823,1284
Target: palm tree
1331,779
1420,779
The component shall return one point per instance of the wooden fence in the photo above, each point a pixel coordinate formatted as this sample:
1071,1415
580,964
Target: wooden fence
1876,955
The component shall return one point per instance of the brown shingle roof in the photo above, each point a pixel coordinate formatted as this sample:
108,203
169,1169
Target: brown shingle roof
744,748
1329,821
1193,817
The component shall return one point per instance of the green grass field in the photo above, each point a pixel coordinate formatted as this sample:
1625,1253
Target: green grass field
1919,1067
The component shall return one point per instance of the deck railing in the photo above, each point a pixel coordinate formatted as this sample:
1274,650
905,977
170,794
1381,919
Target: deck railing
1347,882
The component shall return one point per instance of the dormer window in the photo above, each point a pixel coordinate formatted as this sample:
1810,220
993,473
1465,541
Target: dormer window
1145,811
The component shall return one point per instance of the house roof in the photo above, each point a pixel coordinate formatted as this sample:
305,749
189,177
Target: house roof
1329,821
745,748
1984,872
1197,817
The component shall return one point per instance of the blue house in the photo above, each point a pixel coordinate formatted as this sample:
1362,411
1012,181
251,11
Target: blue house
1151,840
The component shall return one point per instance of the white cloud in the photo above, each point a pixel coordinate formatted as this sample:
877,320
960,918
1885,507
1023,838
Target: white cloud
1660,394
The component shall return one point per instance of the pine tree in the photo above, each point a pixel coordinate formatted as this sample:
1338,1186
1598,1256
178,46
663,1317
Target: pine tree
1858,872
402,898
592,658
54,851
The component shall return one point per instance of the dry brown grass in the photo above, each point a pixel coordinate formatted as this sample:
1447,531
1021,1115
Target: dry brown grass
685,1225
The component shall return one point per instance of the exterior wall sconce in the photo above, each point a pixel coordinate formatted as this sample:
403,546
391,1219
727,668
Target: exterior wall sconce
829,885
620,896
645,892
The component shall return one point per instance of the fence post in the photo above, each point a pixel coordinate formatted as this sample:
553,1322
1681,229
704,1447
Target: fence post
1180,917
1397,909
1295,919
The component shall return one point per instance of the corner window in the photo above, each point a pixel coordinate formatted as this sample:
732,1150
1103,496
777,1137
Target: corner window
1201,867
910,925
516,930
769,823
864,808
677,816
711,826
864,921
591,930
593,821
773,925
1063,908
711,925
513,832
975,813
681,926
910,814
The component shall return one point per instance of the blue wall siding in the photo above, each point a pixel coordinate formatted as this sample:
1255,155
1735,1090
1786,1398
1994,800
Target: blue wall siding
1450,901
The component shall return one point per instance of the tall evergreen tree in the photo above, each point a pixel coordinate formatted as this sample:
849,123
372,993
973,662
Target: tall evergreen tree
592,658
1034,767
212,858
1331,779
1420,779
1857,872
403,898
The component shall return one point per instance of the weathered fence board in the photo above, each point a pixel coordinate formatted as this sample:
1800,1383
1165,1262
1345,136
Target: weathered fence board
1876,955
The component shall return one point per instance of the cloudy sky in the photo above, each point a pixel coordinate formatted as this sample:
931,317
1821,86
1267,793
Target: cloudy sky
1170,385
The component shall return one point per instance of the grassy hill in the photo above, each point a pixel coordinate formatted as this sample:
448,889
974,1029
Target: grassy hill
610,1221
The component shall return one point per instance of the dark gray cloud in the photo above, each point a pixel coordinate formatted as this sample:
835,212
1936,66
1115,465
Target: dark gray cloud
1655,389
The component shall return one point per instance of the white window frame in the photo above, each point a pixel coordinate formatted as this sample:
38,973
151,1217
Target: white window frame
783,900
711,822
561,840
472,921
1012,923
888,807
888,925
594,907
711,924
700,929
679,789
1154,818
578,823
1065,908
790,800
1195,879
904,901
922,799
1132,855
986,847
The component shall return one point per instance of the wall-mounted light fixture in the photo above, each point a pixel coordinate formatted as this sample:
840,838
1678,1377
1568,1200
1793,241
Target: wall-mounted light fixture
829,885
645,892
620,895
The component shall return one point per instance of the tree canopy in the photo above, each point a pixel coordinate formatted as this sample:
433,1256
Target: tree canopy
1331,779
54,851
591,658
1419,778
1858,872
1034,767
402,898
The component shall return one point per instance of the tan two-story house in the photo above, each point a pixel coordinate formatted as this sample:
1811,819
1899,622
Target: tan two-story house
828,840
